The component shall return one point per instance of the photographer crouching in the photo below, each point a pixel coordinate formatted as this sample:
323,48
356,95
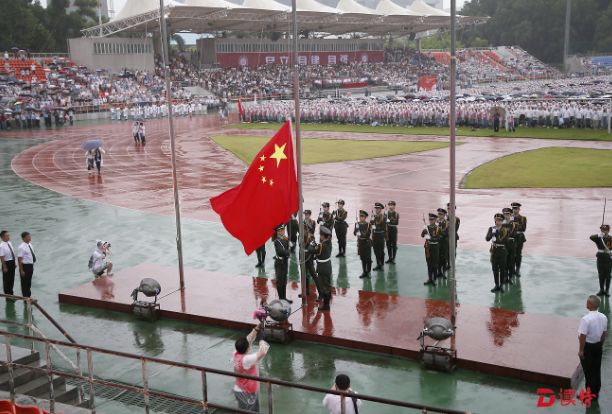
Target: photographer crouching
99,261
246,391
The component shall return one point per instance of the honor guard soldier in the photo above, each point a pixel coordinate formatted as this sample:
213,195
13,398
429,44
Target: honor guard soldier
379,234
309,223
261,255
392,223
323,252
457,224
604,258
340,226
431,233
281,262
443,260
292,231
498,236
309,244
520,238
325,217
363,231
512,226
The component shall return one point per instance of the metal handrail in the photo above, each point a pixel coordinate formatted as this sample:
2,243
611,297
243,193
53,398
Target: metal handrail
32,329
204,403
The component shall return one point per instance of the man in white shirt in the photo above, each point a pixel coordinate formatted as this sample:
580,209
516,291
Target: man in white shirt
26,259
591,336
333,402
7,257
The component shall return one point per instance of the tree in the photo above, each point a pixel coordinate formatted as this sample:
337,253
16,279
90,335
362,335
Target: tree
23,25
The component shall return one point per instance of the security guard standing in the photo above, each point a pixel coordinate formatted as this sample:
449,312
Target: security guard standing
520,238
498,236
325,217
379,234
340,226
392,223
604,258
512,226
281,262
363,231
431,234
323,252
444,263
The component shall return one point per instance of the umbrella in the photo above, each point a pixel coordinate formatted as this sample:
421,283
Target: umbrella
499,110
92,144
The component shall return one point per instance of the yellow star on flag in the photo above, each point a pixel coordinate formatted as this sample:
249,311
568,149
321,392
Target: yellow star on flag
271,183
262,158
279,154
261,168
263,179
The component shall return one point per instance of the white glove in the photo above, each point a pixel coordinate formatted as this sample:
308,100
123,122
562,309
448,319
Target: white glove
427,237
373,226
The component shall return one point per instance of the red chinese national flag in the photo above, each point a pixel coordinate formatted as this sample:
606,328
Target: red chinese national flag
266,197
240,109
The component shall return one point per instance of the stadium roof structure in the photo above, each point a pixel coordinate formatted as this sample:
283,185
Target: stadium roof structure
348,16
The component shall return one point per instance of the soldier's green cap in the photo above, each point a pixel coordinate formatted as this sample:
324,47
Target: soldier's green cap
433,216
279,227
498,216
515,205
605,227
378,205
507,210
340,201
441,211
307,212
325,204
363,213
391,203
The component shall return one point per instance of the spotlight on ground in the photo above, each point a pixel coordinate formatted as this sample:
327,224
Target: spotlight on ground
435,356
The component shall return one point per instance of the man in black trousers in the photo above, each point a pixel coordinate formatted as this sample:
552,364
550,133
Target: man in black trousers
26,260
591,336
8,258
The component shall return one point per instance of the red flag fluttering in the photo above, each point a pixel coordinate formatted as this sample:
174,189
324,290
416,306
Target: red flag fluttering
266,197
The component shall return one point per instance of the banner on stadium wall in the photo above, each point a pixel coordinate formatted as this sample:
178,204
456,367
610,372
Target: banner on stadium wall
427,83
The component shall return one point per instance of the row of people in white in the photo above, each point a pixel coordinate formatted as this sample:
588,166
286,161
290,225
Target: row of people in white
24,261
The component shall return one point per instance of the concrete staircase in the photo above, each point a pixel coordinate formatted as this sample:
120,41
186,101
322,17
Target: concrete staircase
34,383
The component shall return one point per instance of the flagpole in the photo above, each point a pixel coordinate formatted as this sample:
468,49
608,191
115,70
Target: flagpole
177,207
298,149
451,213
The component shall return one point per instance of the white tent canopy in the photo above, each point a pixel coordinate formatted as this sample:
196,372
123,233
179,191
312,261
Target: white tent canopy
207,16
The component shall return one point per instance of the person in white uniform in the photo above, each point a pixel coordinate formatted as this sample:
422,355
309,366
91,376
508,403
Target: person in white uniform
26,260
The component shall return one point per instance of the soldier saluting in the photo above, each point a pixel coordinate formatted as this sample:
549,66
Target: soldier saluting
392,223
498,236
444,260
519,239
340,226
281,262
431,233
363,231
604,258
379,234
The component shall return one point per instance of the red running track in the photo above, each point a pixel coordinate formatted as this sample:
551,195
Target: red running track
559,220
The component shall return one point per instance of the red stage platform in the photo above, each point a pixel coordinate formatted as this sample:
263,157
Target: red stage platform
537,348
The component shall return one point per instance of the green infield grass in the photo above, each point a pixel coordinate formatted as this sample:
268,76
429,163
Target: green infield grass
539,133
553,167
317,151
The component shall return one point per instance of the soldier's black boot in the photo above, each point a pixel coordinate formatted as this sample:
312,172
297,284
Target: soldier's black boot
517,270
326,299
364,267
607,292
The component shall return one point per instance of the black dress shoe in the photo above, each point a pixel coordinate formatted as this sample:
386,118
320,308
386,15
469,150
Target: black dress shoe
364,276
600,293
258,265
429,282
495,289
377,268
607,293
